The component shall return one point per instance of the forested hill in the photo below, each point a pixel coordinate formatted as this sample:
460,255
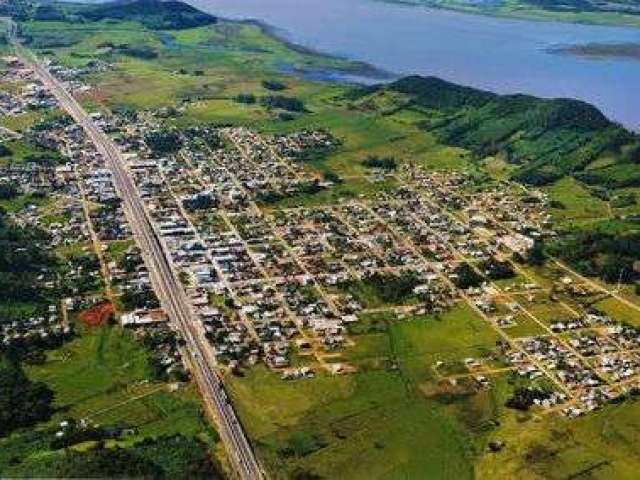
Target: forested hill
545,138
153,14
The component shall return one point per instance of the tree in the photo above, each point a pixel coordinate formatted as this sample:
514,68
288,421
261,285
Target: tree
23,403
8,191
274,85
246,98
5,151
536,255
107,463
467,277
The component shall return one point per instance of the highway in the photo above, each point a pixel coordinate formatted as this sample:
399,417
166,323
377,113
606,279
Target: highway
165,282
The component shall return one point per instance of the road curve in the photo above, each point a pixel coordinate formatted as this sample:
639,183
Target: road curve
168,288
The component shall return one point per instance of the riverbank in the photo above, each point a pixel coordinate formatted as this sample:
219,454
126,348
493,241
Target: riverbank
630,51
351,71
505,56
524,11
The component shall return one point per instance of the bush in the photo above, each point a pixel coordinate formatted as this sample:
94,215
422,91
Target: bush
290,104
8,191
274,85
467,277
385,163
246,98
5,151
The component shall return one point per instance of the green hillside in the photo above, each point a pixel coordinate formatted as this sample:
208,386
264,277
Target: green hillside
153,14
546,139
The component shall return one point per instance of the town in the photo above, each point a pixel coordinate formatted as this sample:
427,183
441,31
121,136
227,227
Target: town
283,285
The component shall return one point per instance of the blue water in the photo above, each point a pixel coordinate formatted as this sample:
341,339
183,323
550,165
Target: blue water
504,56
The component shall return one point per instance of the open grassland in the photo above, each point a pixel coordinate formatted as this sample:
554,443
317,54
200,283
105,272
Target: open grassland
575,202
104,376
376,423
598,446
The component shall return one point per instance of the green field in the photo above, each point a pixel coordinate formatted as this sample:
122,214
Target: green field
377,423
104,376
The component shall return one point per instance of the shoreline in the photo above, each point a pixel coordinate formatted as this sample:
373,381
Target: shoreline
352,67
599,51
527,17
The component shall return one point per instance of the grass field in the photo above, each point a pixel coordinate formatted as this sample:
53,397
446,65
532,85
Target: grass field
105,368
103,376
577,202
376,423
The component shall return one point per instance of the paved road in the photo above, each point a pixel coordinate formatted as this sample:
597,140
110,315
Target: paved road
170,291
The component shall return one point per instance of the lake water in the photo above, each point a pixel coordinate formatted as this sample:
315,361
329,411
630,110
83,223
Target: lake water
504,56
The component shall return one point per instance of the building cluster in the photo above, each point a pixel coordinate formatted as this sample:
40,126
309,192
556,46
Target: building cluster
284,285
593,364
26,94
76,203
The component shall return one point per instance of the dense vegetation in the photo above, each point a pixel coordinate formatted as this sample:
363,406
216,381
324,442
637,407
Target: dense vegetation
22,259
5,151
523,398
8,191
388,288
628,7
384,163
153,14
164,457
274,85
497,270
133,299
23,403
163,142
282,102
467,277
610,254
544,139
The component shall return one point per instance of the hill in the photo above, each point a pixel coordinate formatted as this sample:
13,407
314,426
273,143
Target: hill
545,139
153,14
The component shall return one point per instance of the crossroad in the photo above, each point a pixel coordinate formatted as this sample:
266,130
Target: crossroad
165,282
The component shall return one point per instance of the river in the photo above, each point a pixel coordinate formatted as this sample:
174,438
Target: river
502,55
